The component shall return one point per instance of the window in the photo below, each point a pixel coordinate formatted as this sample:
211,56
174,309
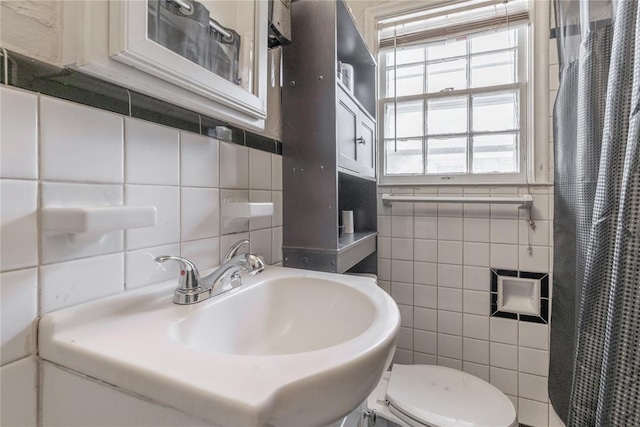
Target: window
454,90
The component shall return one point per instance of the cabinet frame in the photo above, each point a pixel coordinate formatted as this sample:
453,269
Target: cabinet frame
363,148
107,40
316,183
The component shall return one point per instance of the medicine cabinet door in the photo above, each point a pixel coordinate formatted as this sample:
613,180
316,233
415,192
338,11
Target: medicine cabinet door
366,140
347,114
207,55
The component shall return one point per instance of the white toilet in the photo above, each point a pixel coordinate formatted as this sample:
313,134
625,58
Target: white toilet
436,396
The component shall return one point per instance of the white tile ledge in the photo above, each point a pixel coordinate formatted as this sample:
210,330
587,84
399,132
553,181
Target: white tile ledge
82,220
247,210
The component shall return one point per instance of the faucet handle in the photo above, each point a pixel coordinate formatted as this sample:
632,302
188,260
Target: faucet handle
256,264
189,277
234,249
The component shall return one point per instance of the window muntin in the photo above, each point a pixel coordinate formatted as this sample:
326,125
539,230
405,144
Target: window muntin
471,92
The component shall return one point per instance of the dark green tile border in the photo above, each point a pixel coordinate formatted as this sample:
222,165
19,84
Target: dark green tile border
66,84
261,142
71,85
153,110
2,67
223,131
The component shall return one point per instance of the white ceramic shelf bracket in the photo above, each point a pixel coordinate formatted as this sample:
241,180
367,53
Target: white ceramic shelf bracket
246,210
97,220
525,201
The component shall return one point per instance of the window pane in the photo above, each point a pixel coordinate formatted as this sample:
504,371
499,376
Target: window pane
403,156
493,69
447,75
503,39
495,153
390,90
448,49
447,115
447,155
410,80
409,119
410,55
495,111
406,55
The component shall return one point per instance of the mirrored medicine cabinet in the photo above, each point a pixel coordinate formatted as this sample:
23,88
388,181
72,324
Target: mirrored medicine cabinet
209,56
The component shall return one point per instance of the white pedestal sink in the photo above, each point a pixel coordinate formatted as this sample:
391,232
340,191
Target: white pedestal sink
288,347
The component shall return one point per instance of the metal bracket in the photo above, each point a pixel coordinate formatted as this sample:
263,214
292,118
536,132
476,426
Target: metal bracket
370,414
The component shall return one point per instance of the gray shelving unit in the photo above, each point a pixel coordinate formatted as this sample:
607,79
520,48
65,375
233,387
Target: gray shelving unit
329,153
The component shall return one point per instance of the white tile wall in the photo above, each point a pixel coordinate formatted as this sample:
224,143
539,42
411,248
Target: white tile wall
260,170
262,196
152,153
438,261
199,165
18,388
18,134
18,311
234,166
200,213
276,172
56,153
167,203
276,198
205,253
73,282
79,143
276,245
261,243
18,219
142,270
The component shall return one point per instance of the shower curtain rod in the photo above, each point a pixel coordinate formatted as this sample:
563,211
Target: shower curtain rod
213,24
525,201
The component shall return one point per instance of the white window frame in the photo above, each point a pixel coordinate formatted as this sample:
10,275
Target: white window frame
535,147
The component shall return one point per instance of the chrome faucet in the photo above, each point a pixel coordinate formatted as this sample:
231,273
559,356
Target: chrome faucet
193,289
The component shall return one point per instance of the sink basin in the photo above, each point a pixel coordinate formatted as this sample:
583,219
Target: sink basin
270,319
288,347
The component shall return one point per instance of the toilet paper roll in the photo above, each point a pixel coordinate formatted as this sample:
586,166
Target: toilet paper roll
347,221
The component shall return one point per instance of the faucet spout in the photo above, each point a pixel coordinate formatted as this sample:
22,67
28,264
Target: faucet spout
227,276
192,288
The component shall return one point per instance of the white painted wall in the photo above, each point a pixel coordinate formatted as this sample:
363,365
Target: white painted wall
33,28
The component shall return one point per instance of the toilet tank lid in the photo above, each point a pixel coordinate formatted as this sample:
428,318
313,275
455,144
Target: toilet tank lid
440,396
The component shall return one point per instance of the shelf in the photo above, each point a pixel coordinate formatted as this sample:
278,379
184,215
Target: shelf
355,174
103,219
247,210
349,241
352,248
